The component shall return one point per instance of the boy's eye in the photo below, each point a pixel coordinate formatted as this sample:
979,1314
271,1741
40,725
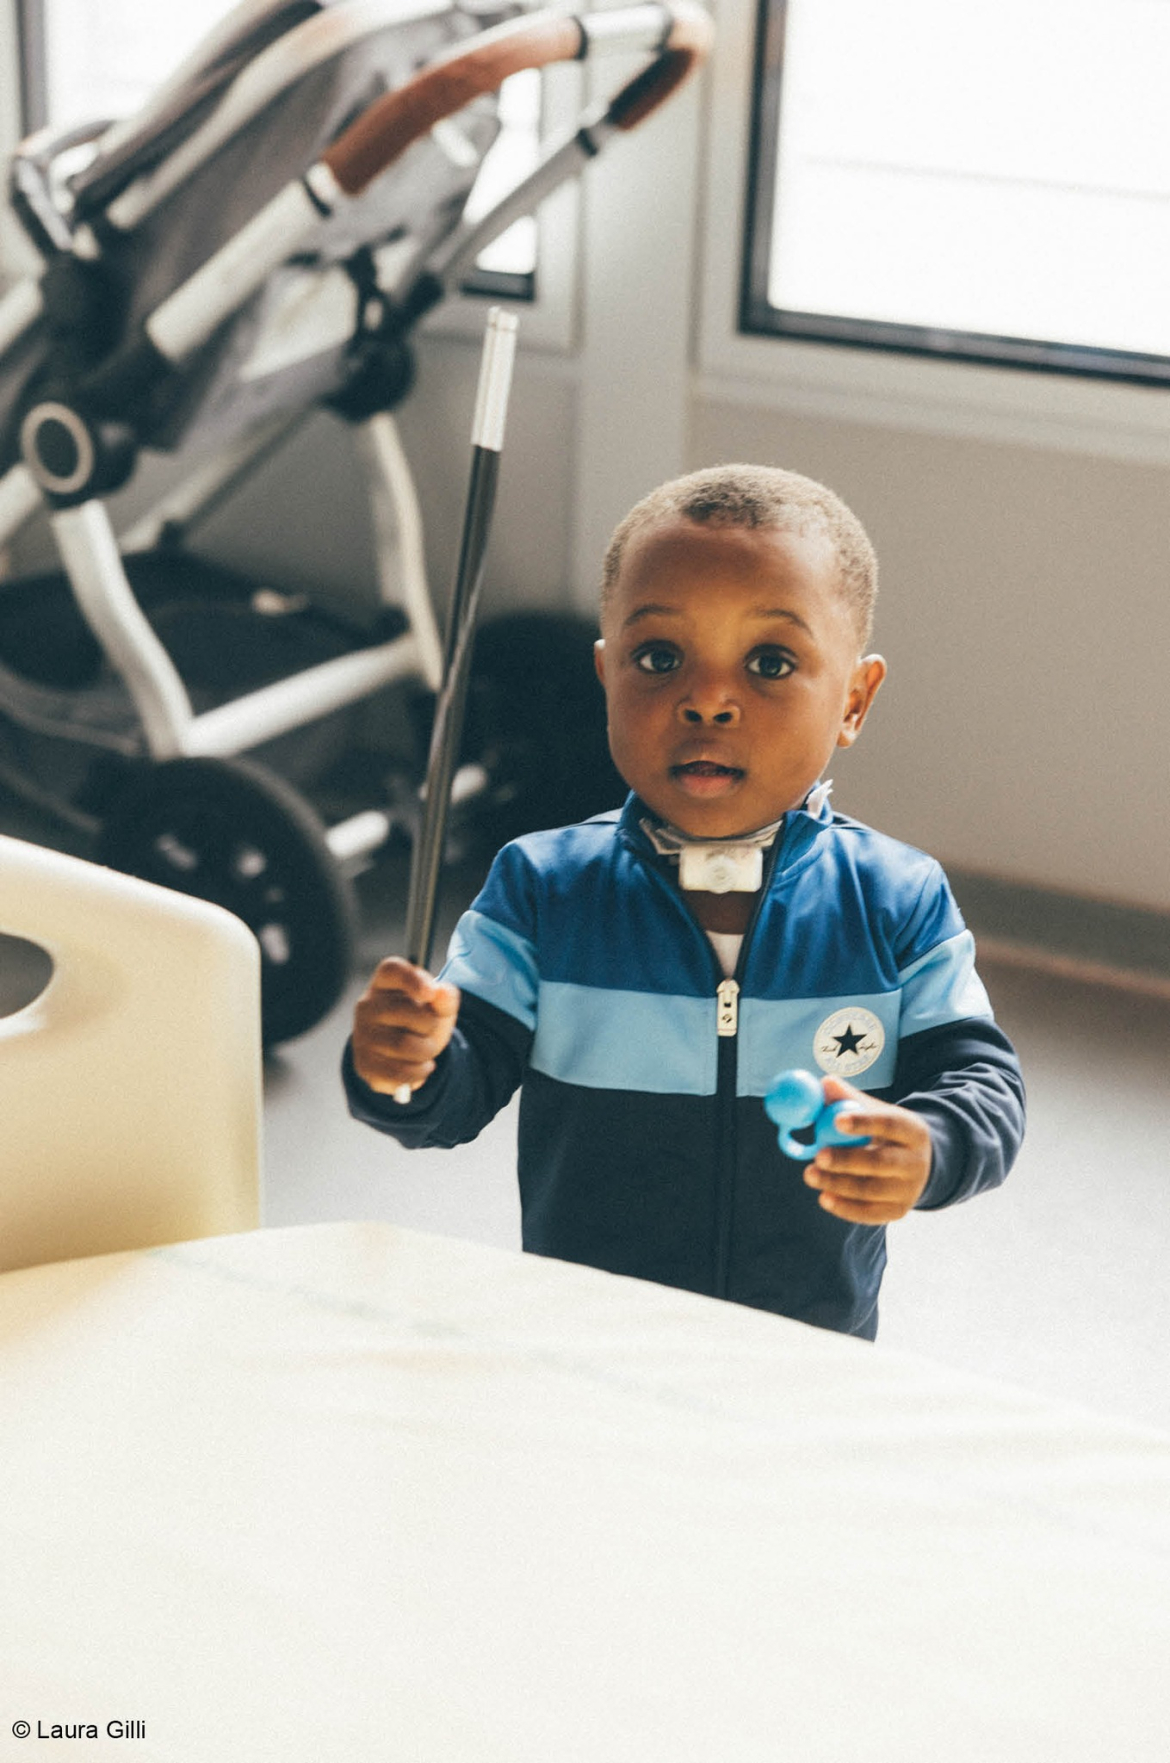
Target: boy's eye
770,663
656,658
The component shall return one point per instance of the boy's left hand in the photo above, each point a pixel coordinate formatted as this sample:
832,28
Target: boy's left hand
878,1182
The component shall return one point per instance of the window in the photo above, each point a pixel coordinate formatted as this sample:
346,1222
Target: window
508,266
985,183
85,60
90,59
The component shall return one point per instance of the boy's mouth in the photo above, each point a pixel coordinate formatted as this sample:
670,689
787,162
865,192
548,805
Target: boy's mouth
706,777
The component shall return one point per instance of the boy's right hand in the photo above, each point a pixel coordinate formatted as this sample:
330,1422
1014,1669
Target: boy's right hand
401,1023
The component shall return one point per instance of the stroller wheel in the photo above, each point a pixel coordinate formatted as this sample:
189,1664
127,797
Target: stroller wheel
231,832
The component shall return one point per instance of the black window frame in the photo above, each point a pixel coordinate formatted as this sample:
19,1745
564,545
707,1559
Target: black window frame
500,284
758,317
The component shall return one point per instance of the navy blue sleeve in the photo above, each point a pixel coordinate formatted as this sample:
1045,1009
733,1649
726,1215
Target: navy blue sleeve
473,1078
964,1079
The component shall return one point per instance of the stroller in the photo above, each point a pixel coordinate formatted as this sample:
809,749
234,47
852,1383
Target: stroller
257,243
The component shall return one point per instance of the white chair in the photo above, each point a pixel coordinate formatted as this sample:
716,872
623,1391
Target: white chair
130,1089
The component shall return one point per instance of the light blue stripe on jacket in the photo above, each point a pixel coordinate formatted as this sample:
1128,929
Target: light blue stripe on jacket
490,960
611,1040
943,986
776,1036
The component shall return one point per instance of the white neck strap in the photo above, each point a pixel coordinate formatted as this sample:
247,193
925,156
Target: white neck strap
723,866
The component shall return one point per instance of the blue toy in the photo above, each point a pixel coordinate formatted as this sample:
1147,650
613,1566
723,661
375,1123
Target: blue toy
796,1099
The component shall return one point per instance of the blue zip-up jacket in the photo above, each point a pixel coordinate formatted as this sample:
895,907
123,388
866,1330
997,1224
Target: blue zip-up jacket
644,1148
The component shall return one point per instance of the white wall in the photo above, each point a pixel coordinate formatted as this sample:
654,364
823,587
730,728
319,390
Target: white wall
1025,613
1023,526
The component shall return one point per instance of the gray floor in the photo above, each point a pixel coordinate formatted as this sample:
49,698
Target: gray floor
1055,1282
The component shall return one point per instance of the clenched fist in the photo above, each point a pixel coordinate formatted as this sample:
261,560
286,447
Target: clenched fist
884,1175
401,1023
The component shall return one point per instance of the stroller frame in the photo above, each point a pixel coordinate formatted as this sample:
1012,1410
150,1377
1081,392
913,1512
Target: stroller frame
79,442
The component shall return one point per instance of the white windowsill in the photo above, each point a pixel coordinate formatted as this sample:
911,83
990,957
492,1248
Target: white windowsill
1061,412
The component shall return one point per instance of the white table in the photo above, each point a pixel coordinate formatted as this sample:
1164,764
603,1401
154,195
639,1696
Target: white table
345,1493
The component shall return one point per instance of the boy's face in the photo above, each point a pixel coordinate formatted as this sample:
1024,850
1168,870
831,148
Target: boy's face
729,662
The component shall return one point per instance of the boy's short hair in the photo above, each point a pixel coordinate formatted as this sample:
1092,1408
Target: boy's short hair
758,496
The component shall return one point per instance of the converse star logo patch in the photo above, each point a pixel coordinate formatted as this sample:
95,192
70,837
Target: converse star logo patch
848,1042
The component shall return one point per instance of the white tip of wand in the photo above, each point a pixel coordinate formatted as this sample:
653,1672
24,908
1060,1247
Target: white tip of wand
495,380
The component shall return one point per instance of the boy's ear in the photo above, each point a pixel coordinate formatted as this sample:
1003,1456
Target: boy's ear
599,658
863,689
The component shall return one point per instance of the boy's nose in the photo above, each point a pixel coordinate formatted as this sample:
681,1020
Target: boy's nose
729,714
709,704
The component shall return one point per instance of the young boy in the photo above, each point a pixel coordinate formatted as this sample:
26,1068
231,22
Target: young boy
646,974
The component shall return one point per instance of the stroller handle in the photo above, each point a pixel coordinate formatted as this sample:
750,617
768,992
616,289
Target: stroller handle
384,131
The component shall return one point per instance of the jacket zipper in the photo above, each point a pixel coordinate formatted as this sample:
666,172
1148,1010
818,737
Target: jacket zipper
727,1032
727,1015
727,1071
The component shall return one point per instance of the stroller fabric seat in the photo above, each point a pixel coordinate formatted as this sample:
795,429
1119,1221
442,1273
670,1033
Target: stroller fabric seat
259,243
